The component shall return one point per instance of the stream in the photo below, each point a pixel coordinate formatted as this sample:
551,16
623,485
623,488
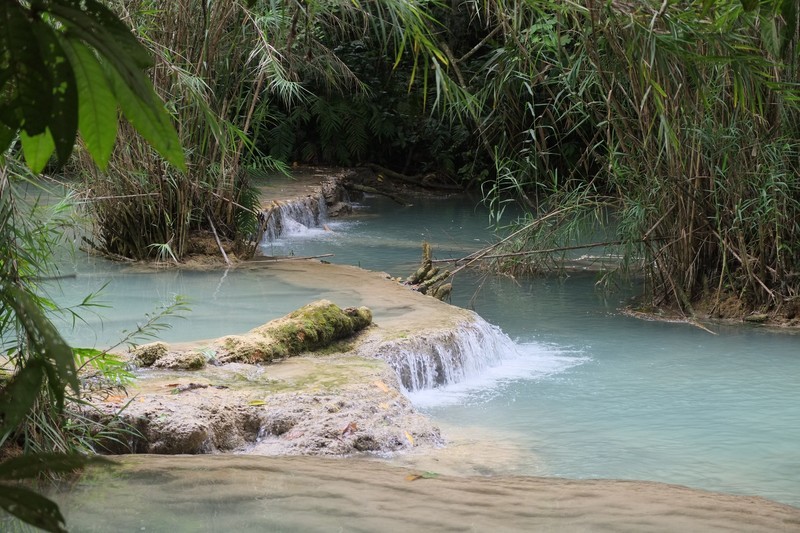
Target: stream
595,393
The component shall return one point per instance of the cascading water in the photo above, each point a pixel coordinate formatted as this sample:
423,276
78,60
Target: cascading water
294,216
472,354
426,361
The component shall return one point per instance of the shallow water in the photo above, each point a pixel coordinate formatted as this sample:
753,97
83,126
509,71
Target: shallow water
247,493
617,397
595,395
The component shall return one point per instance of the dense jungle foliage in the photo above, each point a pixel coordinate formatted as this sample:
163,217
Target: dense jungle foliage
668,127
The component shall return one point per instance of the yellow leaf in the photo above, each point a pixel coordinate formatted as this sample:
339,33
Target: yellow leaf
424,475
410,438
257,402
382,386
383,405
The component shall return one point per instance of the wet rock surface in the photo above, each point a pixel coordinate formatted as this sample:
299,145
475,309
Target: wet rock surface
331,405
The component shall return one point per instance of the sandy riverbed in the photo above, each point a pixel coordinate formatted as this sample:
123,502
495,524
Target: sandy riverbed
245,493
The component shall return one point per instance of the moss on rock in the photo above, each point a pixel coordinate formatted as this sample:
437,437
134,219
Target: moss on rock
148,354
181,361
309,328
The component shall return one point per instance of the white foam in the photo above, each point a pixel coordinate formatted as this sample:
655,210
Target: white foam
296,217
529,362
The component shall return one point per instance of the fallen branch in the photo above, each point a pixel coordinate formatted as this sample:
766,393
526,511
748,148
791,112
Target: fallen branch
480,254
419,180
373,190
533,252
216,237
270,258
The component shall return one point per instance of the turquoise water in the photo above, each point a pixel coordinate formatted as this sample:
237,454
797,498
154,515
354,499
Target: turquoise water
649,400
642,400
655,401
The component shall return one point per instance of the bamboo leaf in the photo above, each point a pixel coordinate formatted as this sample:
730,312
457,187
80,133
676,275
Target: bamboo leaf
44,339
63,121
149,118
97,111
100,28
32,508
94,24
20,394
113,42
27,103
37,149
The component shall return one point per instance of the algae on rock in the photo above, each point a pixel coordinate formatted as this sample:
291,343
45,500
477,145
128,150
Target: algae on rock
309,328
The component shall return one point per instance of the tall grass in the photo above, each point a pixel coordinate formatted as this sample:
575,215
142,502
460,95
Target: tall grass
230,75
214,66
681,117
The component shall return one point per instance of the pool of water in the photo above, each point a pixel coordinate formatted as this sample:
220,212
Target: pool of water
631,399
648,400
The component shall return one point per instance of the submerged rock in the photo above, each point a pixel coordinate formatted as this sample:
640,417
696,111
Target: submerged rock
343,399
333,405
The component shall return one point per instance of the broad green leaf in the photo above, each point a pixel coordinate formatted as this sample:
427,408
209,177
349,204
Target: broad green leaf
63,123
20,394
101,29
37,149
92,23
149,118
29,94
84,354
97,111
114,42
30,466
32,508
42,335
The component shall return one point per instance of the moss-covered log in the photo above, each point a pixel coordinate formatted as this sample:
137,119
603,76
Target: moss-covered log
309,328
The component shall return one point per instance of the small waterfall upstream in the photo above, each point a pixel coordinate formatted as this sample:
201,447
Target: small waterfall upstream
430,360
294,216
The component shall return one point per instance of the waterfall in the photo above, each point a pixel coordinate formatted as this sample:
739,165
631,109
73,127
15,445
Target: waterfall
294,216
429,360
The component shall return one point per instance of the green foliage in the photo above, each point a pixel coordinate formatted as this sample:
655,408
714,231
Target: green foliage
681,119
66,65
214,75
43,368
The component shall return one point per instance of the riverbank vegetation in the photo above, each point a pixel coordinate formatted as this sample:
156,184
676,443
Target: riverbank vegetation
666,130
